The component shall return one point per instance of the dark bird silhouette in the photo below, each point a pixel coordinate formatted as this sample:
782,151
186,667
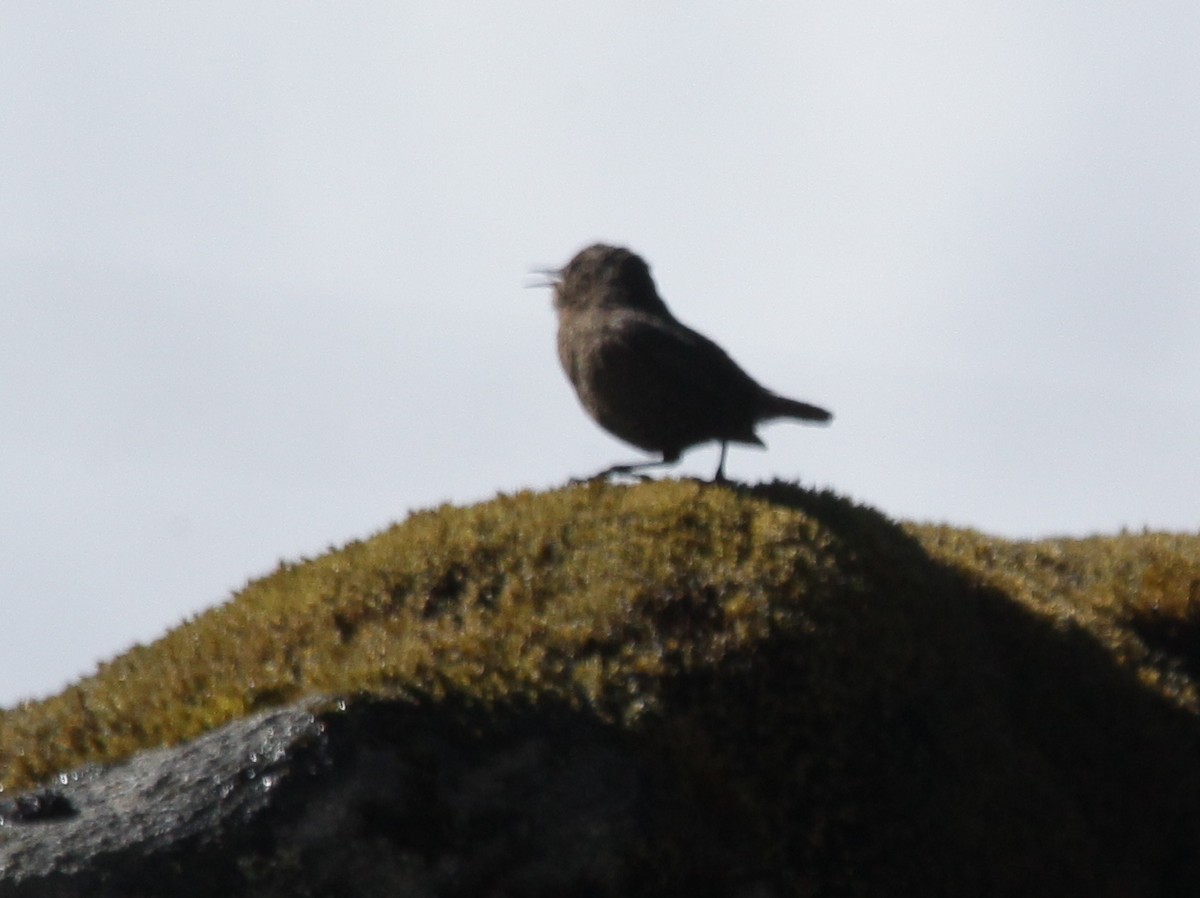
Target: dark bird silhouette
645,377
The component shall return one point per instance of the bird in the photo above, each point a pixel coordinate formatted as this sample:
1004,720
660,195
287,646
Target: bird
644,376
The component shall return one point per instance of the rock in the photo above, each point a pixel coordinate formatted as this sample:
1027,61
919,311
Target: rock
368,798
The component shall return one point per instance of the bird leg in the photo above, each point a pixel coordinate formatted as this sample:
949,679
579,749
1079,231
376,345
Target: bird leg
633,469
719,477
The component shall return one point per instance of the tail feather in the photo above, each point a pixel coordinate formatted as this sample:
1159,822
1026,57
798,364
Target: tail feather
775,406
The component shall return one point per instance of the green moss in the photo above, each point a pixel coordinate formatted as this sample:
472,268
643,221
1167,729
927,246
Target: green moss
585,593
1136,594
836,682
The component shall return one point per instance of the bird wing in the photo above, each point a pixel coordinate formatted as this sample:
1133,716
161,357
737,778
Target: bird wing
668,387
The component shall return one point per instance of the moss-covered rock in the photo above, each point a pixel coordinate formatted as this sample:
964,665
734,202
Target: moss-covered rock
864,707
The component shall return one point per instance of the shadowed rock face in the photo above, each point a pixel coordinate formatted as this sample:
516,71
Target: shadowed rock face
368,798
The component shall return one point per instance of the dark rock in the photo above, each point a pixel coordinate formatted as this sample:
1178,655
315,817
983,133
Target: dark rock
36,806
371,798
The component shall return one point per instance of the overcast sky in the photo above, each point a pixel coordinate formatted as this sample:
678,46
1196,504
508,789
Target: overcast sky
262,269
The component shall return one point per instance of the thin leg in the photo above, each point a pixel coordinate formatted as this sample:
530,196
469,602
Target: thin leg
634,469
719,477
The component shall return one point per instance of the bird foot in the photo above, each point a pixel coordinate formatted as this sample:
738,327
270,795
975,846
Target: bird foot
611,472
627,470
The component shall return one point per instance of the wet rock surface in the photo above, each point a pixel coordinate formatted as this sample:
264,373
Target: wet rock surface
364,798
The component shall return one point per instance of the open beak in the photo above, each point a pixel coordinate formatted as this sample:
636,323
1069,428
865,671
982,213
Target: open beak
550,277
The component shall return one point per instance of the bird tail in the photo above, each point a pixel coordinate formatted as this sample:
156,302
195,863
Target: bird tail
781,407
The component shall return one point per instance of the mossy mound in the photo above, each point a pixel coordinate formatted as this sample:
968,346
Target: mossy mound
869,708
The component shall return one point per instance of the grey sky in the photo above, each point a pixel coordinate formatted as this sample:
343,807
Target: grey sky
262,267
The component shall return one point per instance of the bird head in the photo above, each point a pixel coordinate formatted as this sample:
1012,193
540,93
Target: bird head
602,276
